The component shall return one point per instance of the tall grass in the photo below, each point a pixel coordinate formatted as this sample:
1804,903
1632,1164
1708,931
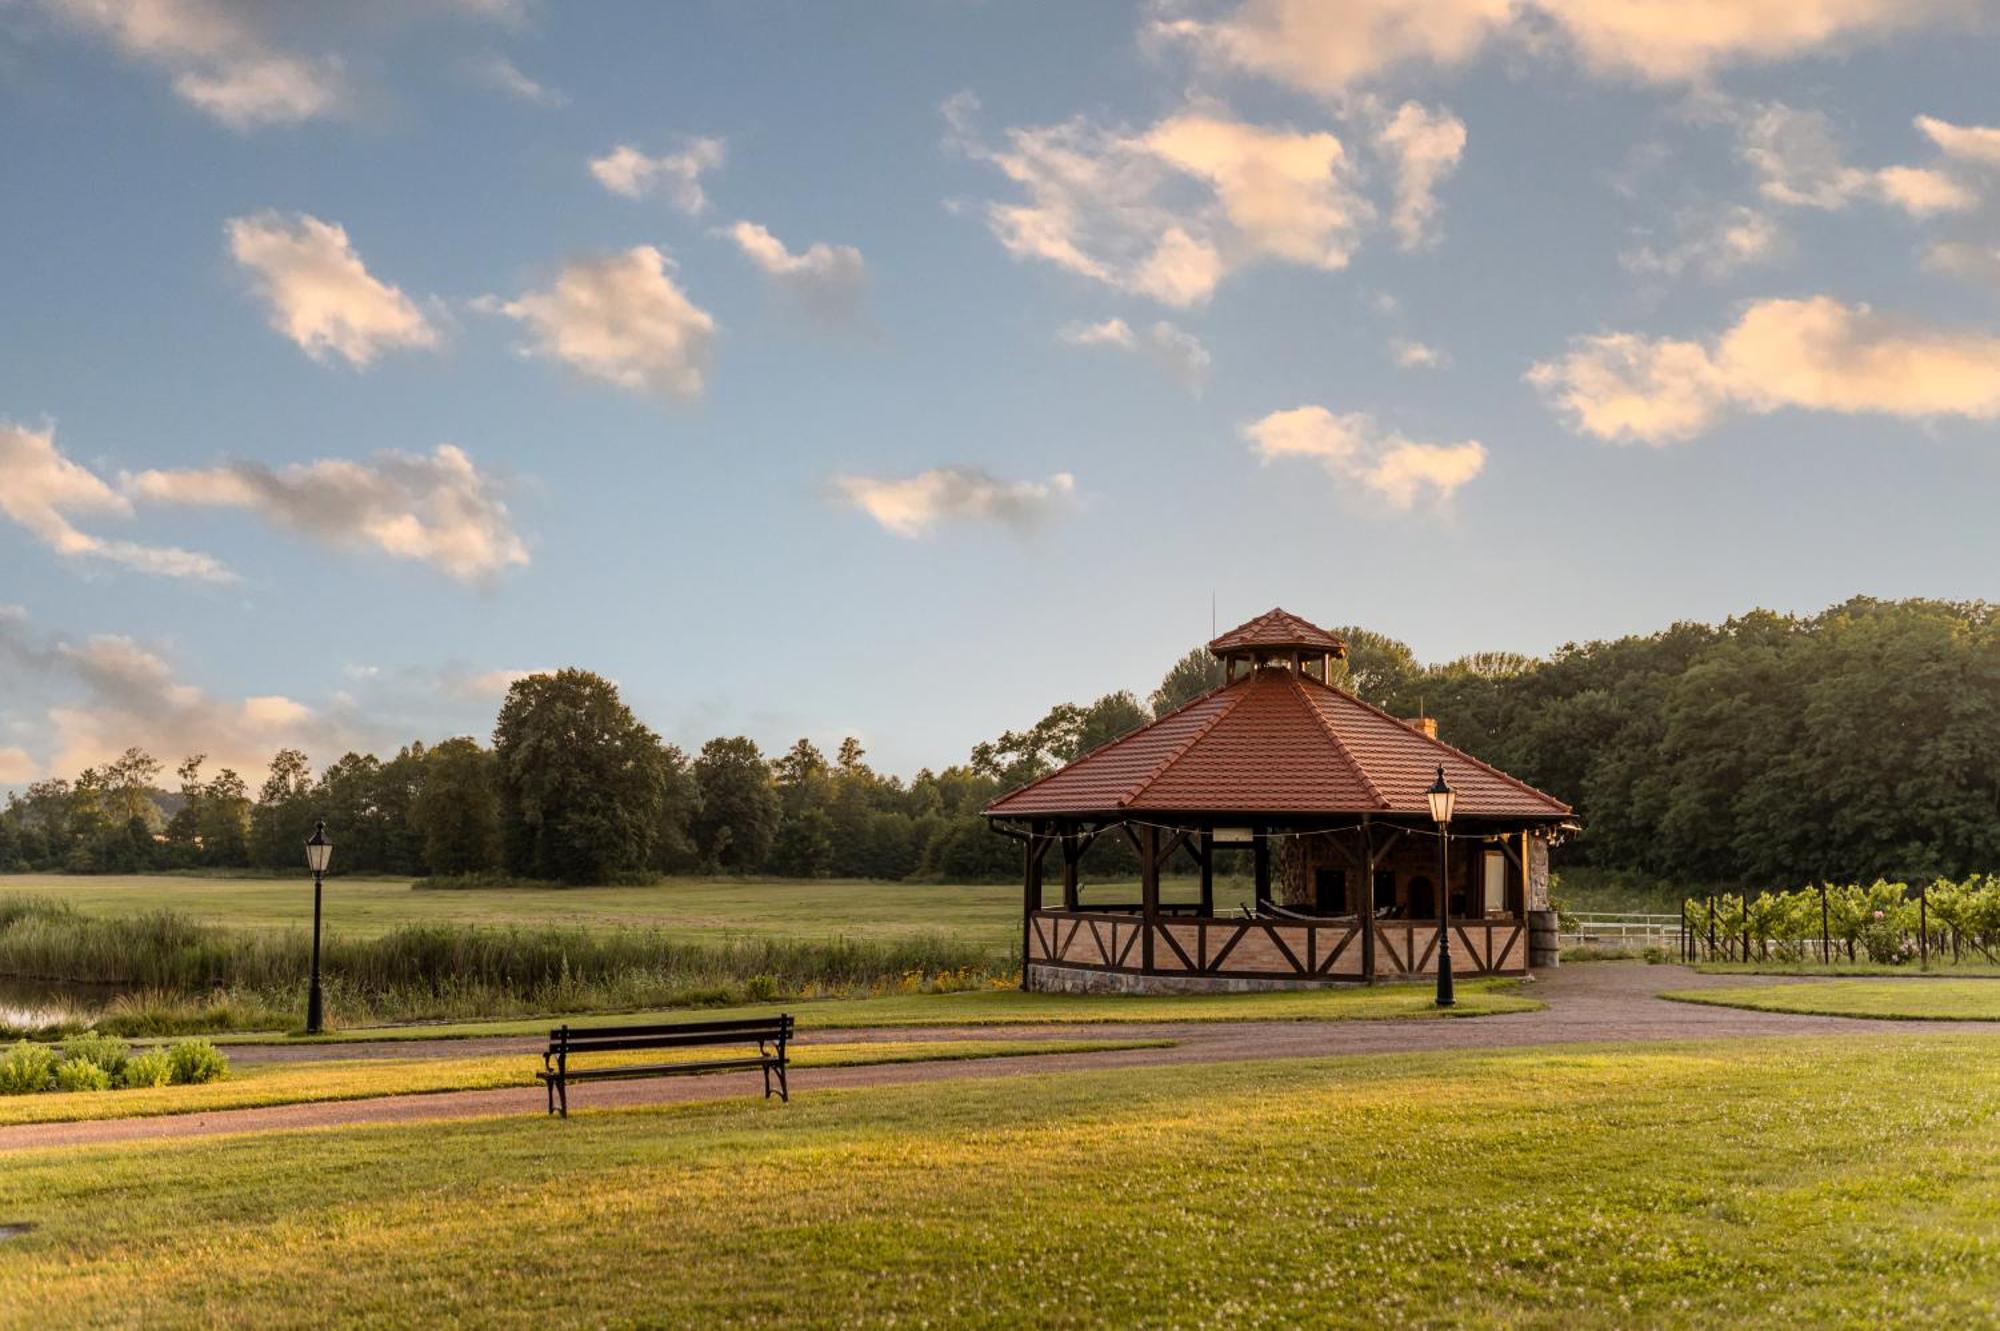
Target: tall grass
192,976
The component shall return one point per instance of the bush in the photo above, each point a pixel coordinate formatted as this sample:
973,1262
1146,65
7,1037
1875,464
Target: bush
760,988
107,1051
80,1074
197,1061
151,1068
27,1067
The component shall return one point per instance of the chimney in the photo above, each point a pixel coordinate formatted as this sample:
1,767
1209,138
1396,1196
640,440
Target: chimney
1426,724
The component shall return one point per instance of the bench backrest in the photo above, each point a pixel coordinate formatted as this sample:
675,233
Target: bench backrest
678,1035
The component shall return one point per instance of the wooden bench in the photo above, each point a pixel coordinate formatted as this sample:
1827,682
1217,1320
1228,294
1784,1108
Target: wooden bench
769,1034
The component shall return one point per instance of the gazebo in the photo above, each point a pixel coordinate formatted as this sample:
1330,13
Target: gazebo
1325,796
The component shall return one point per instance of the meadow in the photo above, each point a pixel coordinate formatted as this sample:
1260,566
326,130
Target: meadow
1908,999
1850,1182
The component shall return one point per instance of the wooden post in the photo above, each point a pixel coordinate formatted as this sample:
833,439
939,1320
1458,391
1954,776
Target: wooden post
1070,857
1711,926
1208,873
1825,931
1923,928
1368,899
1031,901
1262,856
1149,893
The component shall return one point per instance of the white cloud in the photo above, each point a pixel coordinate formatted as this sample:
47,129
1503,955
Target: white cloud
1177,352
1354,448
17,768
1413,355
1814,355
828,281
1170,211
1800,164
627,171
1965,259
622,319
219,56
1969,143
320,294
914,506
1328,47
439,510
40,488
1712,244
503,75
488,683
1425,146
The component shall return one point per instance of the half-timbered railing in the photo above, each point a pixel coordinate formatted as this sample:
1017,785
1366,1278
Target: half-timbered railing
1270,949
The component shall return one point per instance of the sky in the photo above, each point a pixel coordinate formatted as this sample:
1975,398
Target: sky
902,369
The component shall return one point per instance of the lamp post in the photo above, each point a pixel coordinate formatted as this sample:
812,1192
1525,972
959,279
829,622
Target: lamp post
318,852
1443,799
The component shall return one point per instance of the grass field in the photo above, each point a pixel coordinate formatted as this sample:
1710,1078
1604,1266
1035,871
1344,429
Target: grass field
1009,1006
692,907
1905,999
260,1084
1850,1182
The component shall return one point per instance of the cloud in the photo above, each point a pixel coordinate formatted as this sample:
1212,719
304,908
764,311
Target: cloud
1800,164
1168,212
1968,143
488,683
439,510
914,506
621,319
1965,259
1354,448
829,282
320,294
1425,146
1177,352
1814,355
40,488
17,768
219,57
503,75
1328,47
1712,244
109,692
1412,355
627,171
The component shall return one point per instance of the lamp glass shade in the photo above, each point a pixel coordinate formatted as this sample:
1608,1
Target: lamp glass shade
1443,798
319,851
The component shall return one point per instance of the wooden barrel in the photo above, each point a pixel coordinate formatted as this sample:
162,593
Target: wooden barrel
1544,950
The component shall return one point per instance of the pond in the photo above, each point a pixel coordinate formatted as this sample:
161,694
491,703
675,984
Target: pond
28,1003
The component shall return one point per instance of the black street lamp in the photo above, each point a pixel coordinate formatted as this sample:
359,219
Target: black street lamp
318,852
1443,800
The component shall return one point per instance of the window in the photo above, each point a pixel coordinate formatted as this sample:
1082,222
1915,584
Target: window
1494,878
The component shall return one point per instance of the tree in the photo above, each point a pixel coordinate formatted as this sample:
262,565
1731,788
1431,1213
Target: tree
680,800
579,779
739,808
802,846
1113,716
457,809
1191,676
283,816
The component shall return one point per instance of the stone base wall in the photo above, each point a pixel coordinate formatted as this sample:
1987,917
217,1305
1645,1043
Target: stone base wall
1045,978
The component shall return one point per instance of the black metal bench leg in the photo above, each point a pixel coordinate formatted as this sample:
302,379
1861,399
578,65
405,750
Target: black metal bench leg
550,1083
562,1092
784,1090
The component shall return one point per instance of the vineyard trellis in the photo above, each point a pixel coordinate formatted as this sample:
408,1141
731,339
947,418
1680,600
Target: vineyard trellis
1883,922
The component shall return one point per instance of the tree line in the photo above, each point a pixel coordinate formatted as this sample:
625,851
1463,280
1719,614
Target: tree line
1862,741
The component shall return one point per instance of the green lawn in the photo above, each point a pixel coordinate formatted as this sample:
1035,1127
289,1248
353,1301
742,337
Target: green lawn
1905,999
692,907
1009,1006
258,1084
1851,1182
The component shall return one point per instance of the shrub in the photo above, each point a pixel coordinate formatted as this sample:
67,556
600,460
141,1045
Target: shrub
197,1061
760,988
27,1067
107,1051
80,1074
151,1068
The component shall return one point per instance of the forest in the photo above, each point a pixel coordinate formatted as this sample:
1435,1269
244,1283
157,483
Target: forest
1771,750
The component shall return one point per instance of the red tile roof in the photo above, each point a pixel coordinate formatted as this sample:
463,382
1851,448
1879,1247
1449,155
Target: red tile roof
1274,742
1277,629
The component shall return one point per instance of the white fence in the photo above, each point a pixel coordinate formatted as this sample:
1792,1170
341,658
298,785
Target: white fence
1602,929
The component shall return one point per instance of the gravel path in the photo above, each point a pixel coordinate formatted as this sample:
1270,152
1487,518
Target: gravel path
1591,1003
